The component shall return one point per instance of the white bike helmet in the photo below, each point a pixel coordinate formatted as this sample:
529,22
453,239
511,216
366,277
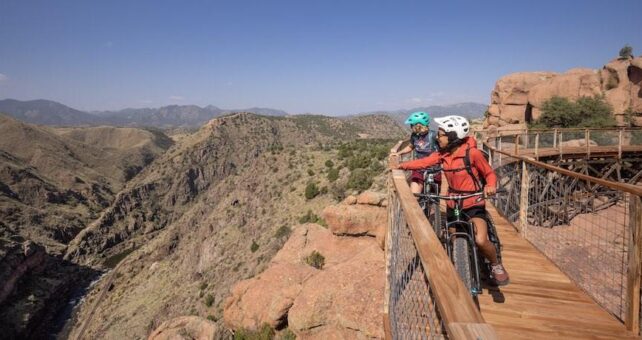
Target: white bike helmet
457,124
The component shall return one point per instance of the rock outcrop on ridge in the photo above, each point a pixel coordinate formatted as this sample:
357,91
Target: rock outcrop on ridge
518,98
342,300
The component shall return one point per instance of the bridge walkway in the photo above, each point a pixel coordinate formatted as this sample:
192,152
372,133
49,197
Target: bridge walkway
541,302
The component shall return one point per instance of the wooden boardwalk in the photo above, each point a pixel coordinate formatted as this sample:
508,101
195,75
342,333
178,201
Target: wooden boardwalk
541,302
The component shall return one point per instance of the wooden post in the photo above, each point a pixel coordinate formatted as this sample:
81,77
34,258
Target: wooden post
588,145
523,201
500,149
554,138
516,144
560,143
632,317
537,146
619,145
392,206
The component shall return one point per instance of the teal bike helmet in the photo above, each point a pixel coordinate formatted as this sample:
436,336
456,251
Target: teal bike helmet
418,118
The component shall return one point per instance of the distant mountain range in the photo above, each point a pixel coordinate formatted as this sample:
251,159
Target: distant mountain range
46,112
468,110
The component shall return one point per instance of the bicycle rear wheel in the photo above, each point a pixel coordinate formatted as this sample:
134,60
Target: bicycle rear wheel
462,261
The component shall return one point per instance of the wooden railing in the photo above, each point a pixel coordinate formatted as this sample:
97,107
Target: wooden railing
541,142
544,199
425,298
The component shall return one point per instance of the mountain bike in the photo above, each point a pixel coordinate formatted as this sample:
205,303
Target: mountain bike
428,201
458,238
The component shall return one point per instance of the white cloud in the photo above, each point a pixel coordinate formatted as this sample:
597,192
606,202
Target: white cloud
3,78
416,100
176,98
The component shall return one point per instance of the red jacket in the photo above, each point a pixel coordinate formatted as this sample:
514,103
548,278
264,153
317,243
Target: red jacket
460,179
471,142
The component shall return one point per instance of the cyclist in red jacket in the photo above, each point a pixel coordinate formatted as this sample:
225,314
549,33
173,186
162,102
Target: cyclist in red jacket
454,145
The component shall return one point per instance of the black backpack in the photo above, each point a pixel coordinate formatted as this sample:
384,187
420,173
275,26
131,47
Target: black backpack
480,182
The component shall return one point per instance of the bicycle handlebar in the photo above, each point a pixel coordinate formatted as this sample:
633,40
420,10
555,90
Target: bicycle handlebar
460,196
432,170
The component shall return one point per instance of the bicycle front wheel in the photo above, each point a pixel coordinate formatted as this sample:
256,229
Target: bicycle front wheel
435,218
462,261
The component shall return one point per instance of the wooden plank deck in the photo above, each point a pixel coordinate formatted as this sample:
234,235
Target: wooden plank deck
541,302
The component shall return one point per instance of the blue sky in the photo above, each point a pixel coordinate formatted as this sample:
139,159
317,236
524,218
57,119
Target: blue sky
329,57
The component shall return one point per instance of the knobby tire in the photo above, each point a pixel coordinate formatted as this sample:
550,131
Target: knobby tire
462,261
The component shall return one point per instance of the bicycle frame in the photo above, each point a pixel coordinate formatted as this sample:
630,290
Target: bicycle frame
431,187
465,230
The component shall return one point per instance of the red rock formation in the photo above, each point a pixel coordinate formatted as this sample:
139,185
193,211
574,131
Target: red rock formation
343,300
518,98
366,217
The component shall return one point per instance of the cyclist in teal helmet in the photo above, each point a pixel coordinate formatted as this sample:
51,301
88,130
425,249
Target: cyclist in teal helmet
422,141
421,118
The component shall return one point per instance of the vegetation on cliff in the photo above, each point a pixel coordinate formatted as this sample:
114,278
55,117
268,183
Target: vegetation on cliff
586,112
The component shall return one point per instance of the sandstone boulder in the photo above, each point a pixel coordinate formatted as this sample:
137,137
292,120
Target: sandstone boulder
512,114
577,143
371,198
344,299
310,237
348,296
635,77
569,85
185,328
351,199
265,299
513,88
619,98
359,219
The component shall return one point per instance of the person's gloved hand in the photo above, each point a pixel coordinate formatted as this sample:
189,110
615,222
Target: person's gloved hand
489,191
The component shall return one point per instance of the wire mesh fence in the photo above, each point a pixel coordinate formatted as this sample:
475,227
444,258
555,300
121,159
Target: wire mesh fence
583,228
509,179
412,309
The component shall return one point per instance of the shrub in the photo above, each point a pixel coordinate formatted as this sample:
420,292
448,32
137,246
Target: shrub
311,190
209,300
344,152
287,334
315,259
309,217
333,174
360,179
377,167
359,161
283,231
203,285
254,247
310,172
338,192
559,112
595,112
626,52
264,333
329,163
